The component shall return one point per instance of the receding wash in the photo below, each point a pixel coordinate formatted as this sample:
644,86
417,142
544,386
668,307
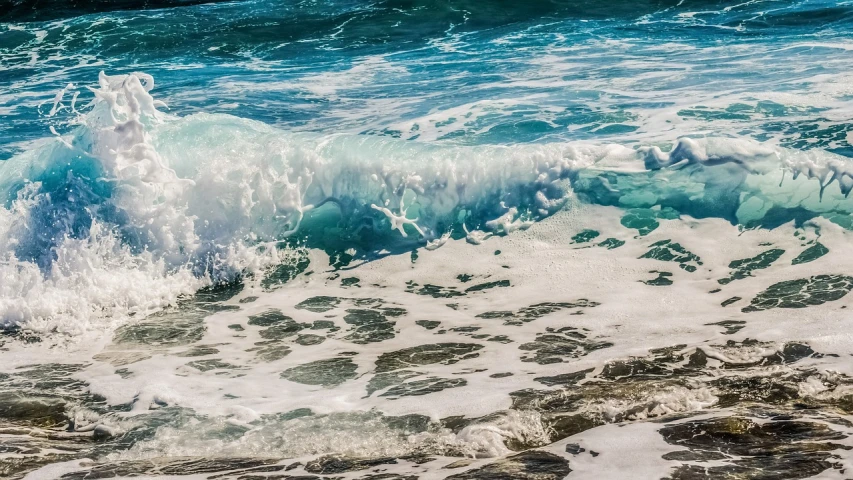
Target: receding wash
426,239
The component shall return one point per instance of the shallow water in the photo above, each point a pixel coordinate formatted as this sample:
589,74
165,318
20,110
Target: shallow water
427,239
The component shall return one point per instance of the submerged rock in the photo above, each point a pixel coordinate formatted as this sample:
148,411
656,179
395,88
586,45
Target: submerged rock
744,267
441,353
327,373
801,293
530,465
667,251
750,449
811,254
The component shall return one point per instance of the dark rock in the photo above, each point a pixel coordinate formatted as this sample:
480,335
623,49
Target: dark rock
811,254
802,293
585,236
442,353
744,267
488,285
333,464
328,373
530,465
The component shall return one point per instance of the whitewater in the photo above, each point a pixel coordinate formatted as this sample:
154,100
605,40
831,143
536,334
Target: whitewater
426,240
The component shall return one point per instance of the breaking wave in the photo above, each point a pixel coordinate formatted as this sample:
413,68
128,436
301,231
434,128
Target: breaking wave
135,207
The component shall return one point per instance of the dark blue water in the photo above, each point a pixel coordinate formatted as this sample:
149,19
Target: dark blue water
461,72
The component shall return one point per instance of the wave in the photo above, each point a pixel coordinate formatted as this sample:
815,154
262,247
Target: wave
135,207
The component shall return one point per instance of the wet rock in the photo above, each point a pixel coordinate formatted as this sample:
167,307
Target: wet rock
662,280
17,333
488,285
371,325
247,474
271,353
323,325
173,466
428,324
392,369
641,219
767,450
455,423
199,351
161,333
110,470
102,433
319,304
564,379
286,271
496,314
744,267
689,456
551,401
530,465
585,236
574,449
731,326
409,424
388,476
729,301
434,291
459,463
182,324
559,346
211,298
333,464
770,390
423,387
278,326
309,339
381,381
611,243
801,293
811,254
662,363
213,364
441,353
499,339
30,409
528,314
269,318
667,251
328,373
790,352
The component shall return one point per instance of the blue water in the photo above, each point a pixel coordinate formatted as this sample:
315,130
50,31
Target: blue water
457,72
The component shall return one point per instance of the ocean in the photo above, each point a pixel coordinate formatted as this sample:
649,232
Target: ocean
426,239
